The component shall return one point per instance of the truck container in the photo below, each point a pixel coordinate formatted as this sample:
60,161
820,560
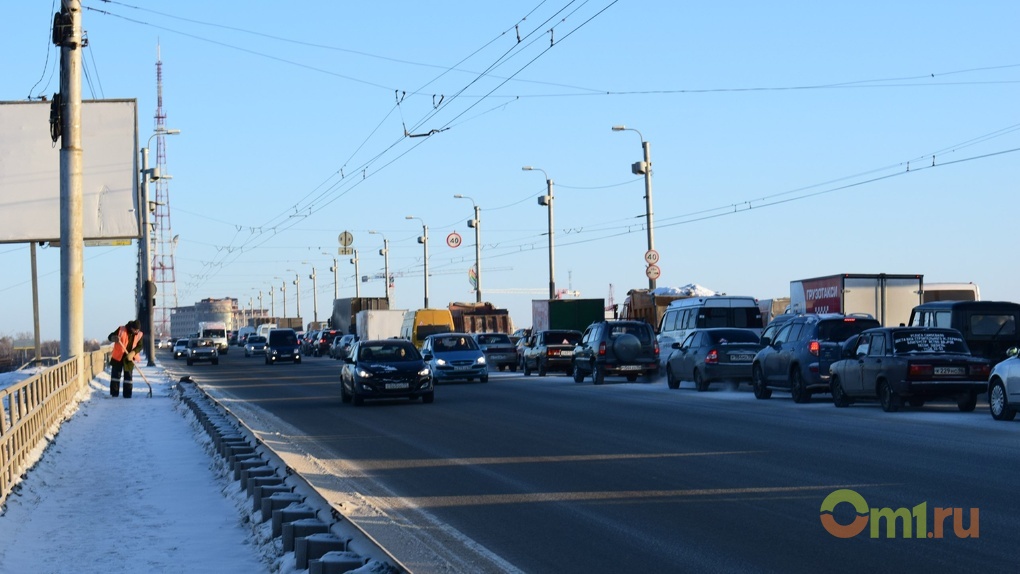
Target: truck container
567,314
480,318
771,308
379,323
888,298
346,310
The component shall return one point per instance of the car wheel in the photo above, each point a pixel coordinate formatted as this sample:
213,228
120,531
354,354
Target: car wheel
297,361
525,367
839,396
758,383
598,375
358,400
671,380
216,361
344,397
889,399
190,362
916,402
967,402
484,379
797,390
428,398
699,382
998,404
541,368
513,368
578,375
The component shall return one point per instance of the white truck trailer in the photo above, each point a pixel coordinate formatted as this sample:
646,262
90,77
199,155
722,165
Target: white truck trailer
888,298
378,323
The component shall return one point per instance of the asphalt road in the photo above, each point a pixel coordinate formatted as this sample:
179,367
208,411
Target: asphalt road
539,474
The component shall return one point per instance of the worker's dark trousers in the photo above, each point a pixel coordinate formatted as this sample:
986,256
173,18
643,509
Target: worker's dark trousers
116,369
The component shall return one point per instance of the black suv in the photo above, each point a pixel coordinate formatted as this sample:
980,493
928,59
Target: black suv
797,357
624,348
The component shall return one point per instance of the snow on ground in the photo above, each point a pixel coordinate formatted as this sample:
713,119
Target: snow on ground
130,485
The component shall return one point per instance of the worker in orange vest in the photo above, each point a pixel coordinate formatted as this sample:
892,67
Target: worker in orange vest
127,343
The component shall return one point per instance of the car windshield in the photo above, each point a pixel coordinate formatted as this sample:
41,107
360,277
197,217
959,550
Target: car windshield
642,333
499,339
907,342
842,329
562,338
253,340
388,353
732,336
453,343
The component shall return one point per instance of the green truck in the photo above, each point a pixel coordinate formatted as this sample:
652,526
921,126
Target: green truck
571,314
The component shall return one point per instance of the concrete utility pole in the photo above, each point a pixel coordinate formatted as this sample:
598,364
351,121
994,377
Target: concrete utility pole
547,201
476,224
315,302
357,278
67,35
645,168
424,240
297,293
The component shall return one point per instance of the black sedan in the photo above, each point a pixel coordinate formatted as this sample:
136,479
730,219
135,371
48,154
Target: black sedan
709,355
912,364
383,369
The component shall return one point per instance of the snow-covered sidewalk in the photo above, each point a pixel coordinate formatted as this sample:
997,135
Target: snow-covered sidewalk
127,485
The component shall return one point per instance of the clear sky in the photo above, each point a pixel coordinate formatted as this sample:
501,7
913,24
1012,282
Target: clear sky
788,139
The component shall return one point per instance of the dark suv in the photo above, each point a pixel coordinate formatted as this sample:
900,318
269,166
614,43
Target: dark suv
797,357
283,345
624,348
323,341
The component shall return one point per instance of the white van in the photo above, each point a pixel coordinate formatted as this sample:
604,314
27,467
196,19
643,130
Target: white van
263,329
684,315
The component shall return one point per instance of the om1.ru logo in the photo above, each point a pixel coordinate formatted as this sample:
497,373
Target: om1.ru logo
914,520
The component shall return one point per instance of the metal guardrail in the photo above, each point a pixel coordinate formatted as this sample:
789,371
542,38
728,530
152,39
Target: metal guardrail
32,407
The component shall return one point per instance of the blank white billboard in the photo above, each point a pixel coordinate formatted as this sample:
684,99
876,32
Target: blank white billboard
30,172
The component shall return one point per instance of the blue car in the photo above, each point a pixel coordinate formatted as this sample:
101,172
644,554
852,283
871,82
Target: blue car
454,357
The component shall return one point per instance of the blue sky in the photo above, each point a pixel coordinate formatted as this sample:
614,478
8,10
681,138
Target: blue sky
788,140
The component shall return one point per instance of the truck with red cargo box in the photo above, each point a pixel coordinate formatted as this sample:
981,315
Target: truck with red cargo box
480,318
888,298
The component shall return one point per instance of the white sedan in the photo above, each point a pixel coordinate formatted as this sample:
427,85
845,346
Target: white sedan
1004,388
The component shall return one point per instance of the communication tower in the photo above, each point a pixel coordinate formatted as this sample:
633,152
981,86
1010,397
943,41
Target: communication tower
165,241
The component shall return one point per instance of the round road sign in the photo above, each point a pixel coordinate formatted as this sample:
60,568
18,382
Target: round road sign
653,271
345,238
651,257
454,239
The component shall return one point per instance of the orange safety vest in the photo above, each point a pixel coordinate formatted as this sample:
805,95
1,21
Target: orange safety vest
125,342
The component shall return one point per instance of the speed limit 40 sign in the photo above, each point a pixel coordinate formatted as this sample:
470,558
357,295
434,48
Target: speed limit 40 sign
454,239
652,257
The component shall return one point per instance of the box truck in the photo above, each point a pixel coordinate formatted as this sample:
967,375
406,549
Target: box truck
480,318
888,298
379,323
567,314
215,330
345,310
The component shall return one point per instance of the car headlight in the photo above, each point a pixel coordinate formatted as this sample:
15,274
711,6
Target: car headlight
424,372
480,360
274,351
441,362
362,373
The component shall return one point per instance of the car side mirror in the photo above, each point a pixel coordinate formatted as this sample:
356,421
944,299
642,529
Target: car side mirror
1012,352
675,345
349,360
766,341
427,356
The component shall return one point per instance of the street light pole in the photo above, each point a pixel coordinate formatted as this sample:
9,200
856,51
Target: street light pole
476,225
357,277
385,252
548,202
146,287
283,288
272,302
424,240
297,293
645,168
315,303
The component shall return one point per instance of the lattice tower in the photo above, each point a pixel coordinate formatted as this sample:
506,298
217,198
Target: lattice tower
163,238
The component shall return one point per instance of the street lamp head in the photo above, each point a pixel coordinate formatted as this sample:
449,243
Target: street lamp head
171,132
619,128
527,168
458,196
410,217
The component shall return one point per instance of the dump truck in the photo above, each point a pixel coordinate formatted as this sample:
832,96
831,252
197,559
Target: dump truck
480,318
888,298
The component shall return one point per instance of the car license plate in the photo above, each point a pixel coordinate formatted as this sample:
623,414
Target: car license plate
949,370
566,353
741,358
630,368
396,386
498,357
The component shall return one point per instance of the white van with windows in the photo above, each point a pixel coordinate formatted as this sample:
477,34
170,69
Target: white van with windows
685,315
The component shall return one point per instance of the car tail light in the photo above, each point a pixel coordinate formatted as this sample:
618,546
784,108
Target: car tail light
918,371
602,349
656,349
814,347
980,371
712,357
552,352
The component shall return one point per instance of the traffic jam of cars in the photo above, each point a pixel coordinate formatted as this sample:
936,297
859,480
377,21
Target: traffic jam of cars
905,353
